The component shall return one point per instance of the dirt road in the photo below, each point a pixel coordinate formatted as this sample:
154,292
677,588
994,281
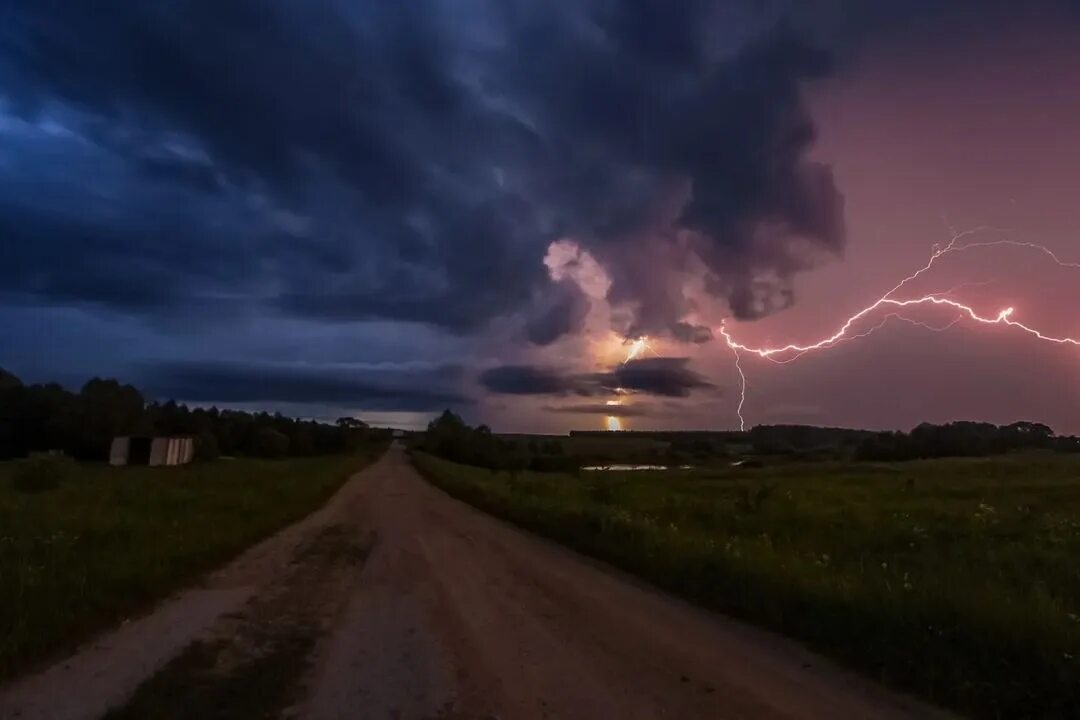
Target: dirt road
457,615
463,614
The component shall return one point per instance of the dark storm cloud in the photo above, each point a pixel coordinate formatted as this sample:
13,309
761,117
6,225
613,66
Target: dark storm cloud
344,117
369,388
563,311
413,160
52,259
670,377
854,26
688,333
667,377
529,380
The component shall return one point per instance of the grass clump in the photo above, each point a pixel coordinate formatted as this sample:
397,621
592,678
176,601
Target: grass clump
956,579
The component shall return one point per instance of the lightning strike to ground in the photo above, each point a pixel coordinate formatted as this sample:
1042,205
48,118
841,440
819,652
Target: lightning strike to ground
742,387
788,353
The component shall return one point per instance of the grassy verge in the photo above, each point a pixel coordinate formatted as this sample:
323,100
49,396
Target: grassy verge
110,541
956,579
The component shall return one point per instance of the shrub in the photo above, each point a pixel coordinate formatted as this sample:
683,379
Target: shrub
39,473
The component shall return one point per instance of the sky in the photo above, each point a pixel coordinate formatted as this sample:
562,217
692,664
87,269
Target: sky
347,207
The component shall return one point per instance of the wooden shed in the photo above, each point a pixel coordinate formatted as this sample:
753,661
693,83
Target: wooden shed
153,451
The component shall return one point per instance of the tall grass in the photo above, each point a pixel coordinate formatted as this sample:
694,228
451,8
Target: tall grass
956,579
109,541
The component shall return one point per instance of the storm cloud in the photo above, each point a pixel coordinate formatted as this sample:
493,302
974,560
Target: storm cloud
347,161
663,376
392,389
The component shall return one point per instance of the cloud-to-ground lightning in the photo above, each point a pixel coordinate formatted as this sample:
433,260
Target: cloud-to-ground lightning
787,353
742,387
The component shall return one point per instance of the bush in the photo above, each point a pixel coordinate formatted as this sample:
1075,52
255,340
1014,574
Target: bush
39,473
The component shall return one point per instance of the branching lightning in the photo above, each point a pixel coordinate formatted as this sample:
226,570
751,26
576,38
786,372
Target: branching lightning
791,352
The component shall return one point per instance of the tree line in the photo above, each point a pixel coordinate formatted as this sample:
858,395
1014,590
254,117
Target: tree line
48,417
449,437
962,439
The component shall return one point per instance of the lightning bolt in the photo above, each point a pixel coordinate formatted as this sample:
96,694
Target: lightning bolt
636,348
788,353
742,387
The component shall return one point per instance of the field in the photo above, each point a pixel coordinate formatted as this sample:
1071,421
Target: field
599,445
110,541
956,579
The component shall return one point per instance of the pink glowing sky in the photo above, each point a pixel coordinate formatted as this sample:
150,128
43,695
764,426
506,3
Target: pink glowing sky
986,132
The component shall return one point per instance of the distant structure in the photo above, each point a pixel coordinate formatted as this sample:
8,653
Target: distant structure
153,451
398,434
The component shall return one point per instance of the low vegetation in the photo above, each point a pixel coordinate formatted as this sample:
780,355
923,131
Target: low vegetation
101,543
956,578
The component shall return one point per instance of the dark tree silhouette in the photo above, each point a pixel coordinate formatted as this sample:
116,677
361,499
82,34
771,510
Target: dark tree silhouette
38,418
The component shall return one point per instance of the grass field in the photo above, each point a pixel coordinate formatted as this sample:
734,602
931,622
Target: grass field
594,445
110,541
956,579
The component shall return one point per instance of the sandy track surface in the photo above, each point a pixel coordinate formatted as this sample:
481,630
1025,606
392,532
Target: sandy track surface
458,615
452,615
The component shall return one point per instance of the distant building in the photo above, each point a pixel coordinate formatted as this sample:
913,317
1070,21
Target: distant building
153,451
398,434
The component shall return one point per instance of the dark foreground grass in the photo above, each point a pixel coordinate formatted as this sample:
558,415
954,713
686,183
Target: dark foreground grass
110,541
956,579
